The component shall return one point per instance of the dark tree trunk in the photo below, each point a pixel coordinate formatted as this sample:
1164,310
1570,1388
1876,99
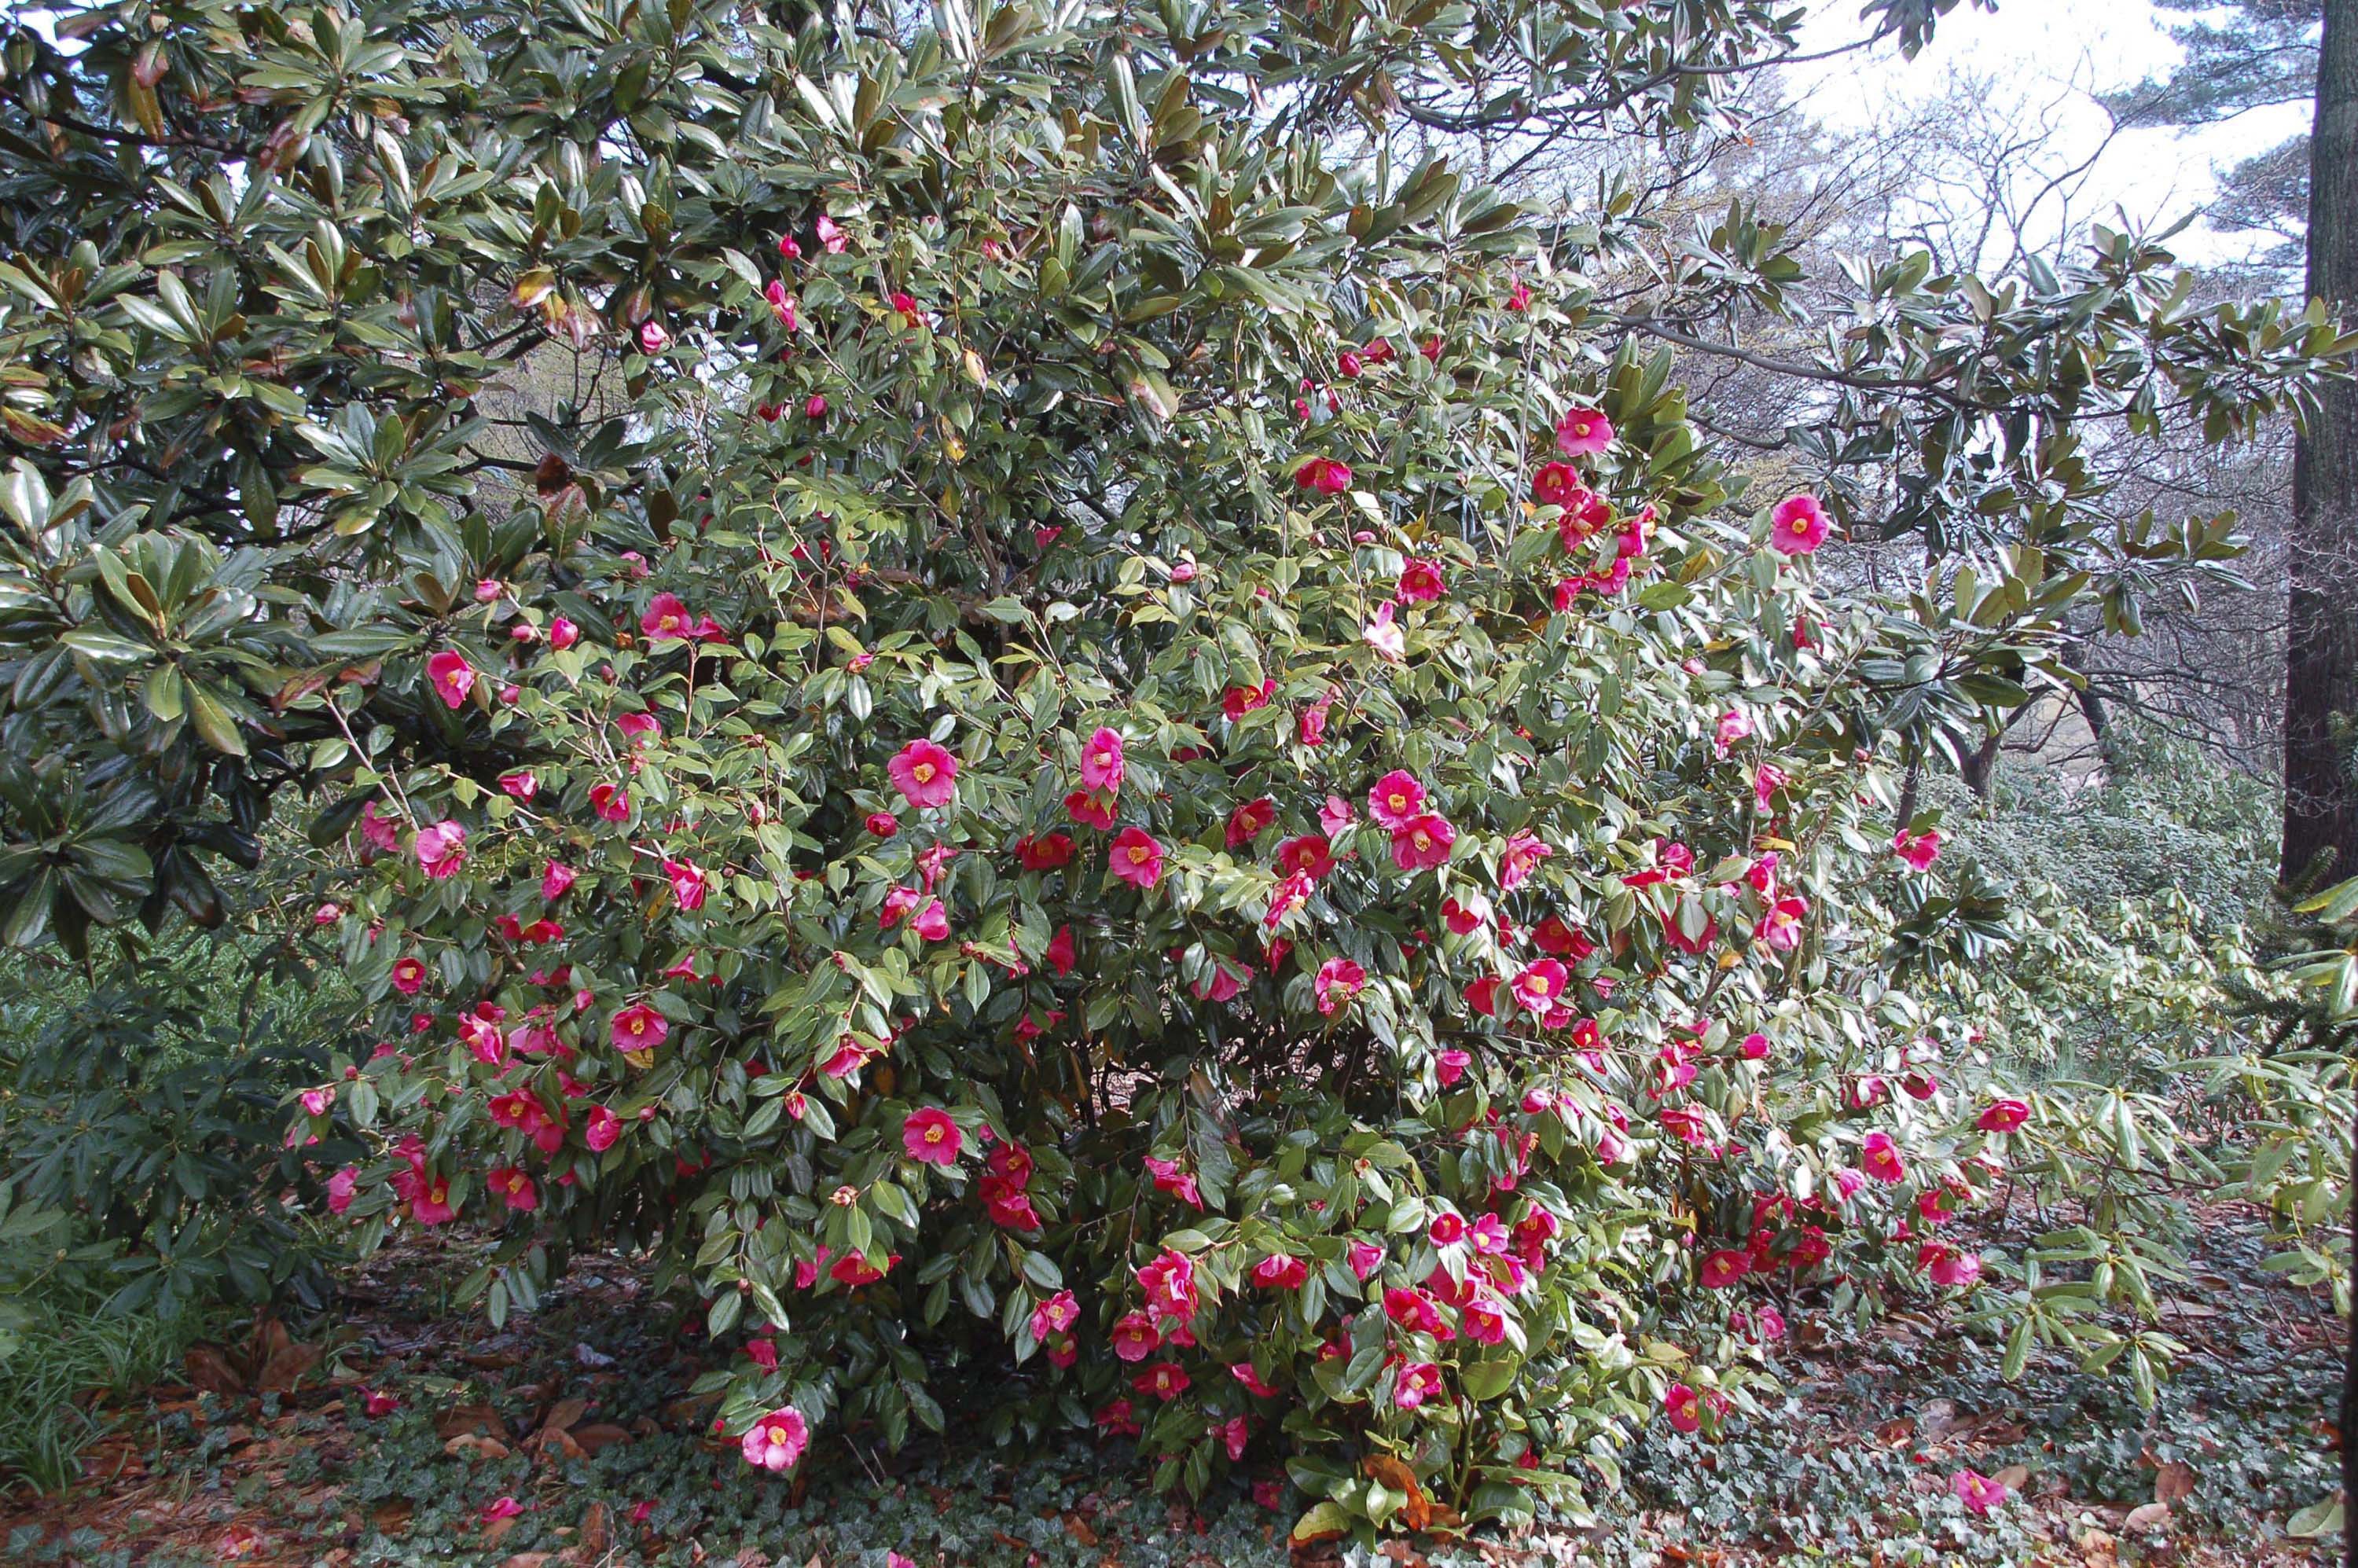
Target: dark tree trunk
2321,641
2321,644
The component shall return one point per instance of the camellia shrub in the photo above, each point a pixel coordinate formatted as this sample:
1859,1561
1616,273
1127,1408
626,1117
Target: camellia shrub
1098,745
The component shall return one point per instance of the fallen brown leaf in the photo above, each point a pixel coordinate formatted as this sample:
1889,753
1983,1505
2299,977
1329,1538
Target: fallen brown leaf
2148,1515
1078,1529
209,1371
598,1436
2173,1483
2012,1477
469,1418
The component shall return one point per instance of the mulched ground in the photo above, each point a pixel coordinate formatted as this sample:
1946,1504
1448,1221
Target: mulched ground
568,1440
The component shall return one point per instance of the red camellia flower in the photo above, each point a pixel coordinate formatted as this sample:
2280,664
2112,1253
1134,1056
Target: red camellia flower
2004,1116
1918,849
452,677
1280,1272
639,1027
1239,700
612,802
883,824
1044,853
931,1137
1246,822
1324,475
1089,810
687,884
1421,582
514,1185
1060,953
1308,855
926,774
408,975
1723,1268
1137,859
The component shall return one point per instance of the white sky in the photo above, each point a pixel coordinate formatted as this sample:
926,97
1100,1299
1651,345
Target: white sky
2044,47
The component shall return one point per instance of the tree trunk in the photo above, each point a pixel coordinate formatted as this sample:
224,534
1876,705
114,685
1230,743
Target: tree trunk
2321,640
2322,644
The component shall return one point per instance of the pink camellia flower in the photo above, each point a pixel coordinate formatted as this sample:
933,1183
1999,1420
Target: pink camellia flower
1755,1048
783,305
787,249
1337,815
815,407
926,774
317,1102
1723,1268
932,922
612,802
1312,723
522,784
831,237
1338,980
1448,1230
383,832
1482,995
2004,1116
931,1137
1246,822
502,1508
555,879
1417,1382
1101,763
1450,1066
653,338
1734,726
563,633
452,677
1918,849
1383,635
1484,1319
341,1186
1324,475
601,1129
377,1402
1238,700
1465,918
1055,1316
1280,1272
1519,858
1395,798
1780,928
408,975
1879,1156
906,306
441,849
1537,986
1978,1492
639,727
1170,1178
1136,859
639,1027
1684,1407
687,884
1798,525
1767,780
1582,432
1365,1258
430,1203
777,1440
1423,840
1518,298
1948,1265
1421,582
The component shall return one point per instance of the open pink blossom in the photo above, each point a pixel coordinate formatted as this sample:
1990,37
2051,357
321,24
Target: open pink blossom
1879,1156
441,849
931,1137
1484,1319
1055,1316
1101,763
1798,525
1247,821
554,879
1537,986
1519,858
1978,1492
925,773
1394,799
1383,635
452,677
668,619
612,802
1782,928
1136,858
600,1128
1279,1272
1734,726
1918,849
1686,1407
687,884
639,1027
1582,432
1448,1066
931,922
1723,1268
777,1440
1338,980
1422,841
1169,1178
1417,1382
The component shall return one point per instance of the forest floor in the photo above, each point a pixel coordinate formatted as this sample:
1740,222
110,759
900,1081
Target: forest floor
568,1440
